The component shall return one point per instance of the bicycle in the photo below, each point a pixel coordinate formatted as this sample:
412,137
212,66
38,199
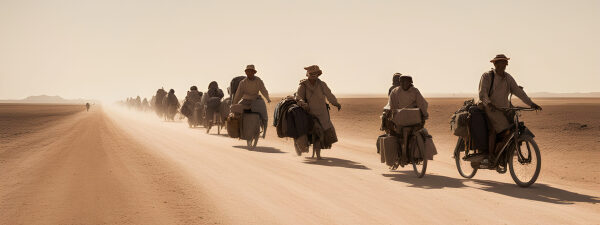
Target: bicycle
511,153
413,147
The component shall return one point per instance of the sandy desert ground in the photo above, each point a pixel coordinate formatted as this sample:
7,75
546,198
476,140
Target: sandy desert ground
62,165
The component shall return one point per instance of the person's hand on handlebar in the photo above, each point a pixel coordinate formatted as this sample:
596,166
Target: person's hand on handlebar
536,107
338,106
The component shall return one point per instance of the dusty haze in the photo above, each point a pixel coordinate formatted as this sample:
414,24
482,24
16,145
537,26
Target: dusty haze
62,165
110,49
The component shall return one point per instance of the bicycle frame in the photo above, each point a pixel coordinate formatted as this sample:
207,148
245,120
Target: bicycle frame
519,129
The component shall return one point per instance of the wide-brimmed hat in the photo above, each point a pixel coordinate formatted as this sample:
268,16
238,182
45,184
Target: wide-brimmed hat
499,57
250,67
313,69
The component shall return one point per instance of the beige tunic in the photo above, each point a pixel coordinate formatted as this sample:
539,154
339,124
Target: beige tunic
249,89
315,95
503,86
411,98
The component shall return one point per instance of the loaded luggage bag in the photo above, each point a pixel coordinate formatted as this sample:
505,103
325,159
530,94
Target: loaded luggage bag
233,125
224,110
461,124
379,150
429,147
407,117
478,128
185,109
389,147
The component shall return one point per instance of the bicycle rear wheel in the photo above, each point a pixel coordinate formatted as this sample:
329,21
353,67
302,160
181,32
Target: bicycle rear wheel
525,161
464,167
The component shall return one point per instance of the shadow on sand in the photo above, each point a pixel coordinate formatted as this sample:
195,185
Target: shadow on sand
335,162
263,149
537,192
220,135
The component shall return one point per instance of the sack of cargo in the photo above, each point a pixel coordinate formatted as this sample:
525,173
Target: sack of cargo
224,110
235,82
478,128
428,145
186,109
250,126
389,148
461,124
407,117
233,126
237,108
379,148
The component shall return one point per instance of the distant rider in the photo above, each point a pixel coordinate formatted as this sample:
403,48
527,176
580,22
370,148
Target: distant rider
248,92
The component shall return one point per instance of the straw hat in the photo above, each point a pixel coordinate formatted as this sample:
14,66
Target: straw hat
499,57
250,67
313,69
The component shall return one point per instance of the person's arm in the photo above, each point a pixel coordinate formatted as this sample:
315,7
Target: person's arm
518,91
301,93
263,90
239,92
484,88
330,97
422,104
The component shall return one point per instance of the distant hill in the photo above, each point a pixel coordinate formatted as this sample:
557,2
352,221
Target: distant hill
46,99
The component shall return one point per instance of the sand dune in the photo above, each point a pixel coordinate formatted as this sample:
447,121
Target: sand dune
114,166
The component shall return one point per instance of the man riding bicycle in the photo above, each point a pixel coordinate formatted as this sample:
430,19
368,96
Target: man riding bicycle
407,96
494,89
248,92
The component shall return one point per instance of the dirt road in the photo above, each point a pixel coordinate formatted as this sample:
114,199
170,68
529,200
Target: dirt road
112,166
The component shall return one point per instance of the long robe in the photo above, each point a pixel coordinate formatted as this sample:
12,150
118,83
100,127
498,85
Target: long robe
315,95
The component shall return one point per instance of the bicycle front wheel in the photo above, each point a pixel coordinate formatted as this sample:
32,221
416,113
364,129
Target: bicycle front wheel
525,161
417,157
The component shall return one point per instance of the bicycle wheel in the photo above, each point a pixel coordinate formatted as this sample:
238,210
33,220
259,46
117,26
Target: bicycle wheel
525,161
464,167
417,157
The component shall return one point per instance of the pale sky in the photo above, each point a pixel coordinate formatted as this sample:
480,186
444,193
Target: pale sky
112,49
